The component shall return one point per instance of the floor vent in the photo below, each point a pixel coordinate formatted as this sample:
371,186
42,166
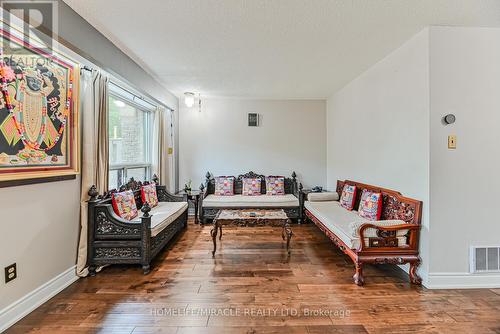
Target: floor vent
485,259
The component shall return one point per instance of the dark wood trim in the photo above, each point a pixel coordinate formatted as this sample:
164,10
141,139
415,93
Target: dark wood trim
25,182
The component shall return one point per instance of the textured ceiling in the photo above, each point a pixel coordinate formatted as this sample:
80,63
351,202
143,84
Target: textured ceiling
269,48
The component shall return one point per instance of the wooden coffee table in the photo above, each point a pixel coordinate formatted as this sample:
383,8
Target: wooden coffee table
251,218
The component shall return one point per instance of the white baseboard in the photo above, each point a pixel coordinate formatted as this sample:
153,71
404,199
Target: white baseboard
22,307
461,281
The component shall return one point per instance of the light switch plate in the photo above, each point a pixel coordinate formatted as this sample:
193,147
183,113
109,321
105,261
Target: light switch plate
452,142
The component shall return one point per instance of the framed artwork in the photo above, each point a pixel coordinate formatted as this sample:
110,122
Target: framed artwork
253,119
39,125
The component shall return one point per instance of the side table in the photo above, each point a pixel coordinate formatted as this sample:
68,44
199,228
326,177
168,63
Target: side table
194,197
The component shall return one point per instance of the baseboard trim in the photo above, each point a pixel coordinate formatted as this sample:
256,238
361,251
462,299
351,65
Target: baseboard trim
22,307
462,281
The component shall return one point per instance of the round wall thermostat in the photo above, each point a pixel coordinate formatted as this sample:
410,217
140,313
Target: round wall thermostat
449,119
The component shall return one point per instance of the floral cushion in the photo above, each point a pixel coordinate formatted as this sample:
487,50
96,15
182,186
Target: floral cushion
251,187
148,194
370,206
275,185
124,204
348,197
224,185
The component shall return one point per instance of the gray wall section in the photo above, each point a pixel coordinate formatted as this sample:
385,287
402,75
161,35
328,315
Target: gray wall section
43,243
75,33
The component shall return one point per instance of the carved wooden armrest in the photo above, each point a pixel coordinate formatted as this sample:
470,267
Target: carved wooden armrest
165,196
108,225
203,194
387,236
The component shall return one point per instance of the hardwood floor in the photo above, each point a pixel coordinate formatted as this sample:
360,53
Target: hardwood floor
253,287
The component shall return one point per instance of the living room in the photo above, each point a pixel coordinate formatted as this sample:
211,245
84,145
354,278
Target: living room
249,166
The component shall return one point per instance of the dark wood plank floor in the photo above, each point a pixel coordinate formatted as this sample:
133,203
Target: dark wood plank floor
253,287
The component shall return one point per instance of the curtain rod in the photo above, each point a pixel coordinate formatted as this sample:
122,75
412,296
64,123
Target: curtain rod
139,97
90,69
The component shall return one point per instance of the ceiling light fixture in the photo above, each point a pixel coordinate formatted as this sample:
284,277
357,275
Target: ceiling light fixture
189,99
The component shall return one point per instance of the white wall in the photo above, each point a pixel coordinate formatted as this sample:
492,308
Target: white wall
378,127
465,81
291,137
396,108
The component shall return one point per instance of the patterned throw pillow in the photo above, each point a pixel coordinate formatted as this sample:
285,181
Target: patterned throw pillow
348,197
148,194
275,185
370,206
224,186
124,204
251,187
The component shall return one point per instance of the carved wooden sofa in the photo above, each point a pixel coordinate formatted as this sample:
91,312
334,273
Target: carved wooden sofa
114,240
210,204
392,240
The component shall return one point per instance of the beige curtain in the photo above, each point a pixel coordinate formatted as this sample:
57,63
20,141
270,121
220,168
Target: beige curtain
95,161
160,161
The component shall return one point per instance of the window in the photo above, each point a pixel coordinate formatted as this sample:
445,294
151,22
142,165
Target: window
130,139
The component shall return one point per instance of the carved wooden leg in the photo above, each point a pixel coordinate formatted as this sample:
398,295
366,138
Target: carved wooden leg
358,276
196,198
289,235
92,270
220,231
146,268
414,278
213,233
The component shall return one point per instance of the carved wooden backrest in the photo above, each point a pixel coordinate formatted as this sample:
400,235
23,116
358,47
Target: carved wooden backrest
238,183
133,185
394,205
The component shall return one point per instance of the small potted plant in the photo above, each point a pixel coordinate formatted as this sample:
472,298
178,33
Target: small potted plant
187,187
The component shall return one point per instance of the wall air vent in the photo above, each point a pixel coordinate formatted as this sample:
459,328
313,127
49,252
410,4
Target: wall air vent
485,259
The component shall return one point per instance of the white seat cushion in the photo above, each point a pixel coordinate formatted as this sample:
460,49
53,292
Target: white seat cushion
265,201
164,214
340,221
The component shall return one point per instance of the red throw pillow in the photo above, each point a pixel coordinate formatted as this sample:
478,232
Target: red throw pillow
124,204
370,206
148,194
348,197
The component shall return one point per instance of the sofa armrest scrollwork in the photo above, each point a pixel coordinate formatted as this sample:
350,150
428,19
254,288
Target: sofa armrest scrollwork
387,236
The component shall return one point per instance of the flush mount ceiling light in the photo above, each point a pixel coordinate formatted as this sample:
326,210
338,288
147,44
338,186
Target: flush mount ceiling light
189,99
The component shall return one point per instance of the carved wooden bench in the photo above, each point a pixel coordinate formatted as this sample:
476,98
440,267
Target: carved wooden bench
371,241
114,240
211,204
